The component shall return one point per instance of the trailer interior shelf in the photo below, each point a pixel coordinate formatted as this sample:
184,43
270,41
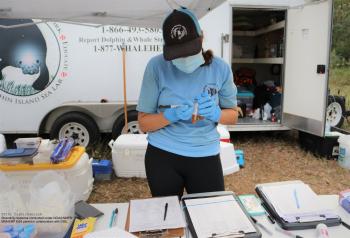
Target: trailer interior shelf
264,30
278,60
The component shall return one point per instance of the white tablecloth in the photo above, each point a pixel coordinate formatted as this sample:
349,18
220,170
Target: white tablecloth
329,200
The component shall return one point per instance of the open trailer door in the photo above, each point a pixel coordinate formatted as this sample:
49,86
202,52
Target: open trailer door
308,40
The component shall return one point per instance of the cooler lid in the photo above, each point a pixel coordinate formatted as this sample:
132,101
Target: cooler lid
131,140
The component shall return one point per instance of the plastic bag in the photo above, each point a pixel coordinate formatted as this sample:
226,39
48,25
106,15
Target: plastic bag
267,112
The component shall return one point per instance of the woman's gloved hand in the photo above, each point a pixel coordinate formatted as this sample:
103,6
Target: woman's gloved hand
183,112
208,108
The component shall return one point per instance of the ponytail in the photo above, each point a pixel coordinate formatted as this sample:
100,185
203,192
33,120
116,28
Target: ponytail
208,56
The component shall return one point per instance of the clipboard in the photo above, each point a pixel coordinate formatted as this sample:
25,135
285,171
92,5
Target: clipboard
256,234
291,225
178,232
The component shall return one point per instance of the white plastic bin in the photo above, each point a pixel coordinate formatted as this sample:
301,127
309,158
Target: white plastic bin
78,175
128,154
51,196
33,142
10,199
49,204
344,151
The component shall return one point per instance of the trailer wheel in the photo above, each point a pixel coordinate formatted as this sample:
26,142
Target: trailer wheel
79,126
335,111
133,125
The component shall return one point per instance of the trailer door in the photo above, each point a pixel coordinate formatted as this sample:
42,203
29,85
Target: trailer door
217,30
308,39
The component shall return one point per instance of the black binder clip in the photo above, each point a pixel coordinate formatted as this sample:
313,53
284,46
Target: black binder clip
153,233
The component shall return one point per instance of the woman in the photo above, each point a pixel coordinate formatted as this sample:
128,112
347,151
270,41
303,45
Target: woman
181,153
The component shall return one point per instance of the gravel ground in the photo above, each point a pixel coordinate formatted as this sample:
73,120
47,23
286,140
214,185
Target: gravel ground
269,157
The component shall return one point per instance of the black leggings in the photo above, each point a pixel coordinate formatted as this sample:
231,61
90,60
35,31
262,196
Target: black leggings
168,173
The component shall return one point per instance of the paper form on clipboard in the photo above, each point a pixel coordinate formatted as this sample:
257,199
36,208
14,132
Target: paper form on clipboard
217,215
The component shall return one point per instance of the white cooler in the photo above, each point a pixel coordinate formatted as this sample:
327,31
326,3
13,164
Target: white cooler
128,154
228,158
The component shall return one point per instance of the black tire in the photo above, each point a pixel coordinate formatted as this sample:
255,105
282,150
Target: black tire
81,119
119,124
335,110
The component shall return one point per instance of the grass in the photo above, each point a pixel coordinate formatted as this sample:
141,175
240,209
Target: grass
339,83
269,157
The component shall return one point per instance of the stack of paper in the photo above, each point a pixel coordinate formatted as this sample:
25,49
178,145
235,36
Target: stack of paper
296,202
149,214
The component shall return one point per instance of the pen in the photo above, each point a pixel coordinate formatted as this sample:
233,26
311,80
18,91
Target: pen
239,234
254,220
287,233
261,226
345,224
168,106
271,219
268,214
296,198
113,218
165,210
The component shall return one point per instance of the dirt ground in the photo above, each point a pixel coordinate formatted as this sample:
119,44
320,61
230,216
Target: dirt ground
269,157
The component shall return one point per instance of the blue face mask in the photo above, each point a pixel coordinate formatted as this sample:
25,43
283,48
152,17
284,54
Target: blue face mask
189,64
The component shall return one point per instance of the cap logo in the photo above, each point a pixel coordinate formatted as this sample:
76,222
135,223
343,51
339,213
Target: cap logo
178,32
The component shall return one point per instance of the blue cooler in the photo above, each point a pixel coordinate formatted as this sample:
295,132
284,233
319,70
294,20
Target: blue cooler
102,169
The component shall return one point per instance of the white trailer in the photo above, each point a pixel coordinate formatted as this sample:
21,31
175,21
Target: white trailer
84,93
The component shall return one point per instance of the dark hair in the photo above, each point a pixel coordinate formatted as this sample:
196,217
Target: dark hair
208,56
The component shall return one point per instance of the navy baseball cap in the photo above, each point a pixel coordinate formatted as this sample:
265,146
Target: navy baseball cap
181,34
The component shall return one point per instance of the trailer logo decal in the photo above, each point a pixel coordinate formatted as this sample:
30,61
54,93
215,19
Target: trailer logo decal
178,32
33,61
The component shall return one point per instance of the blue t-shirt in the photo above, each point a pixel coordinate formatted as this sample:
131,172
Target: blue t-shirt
164,84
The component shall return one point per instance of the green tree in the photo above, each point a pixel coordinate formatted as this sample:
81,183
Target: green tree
341,29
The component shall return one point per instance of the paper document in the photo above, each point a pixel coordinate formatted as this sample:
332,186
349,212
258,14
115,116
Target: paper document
219,215
296,200
148,214
110,233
